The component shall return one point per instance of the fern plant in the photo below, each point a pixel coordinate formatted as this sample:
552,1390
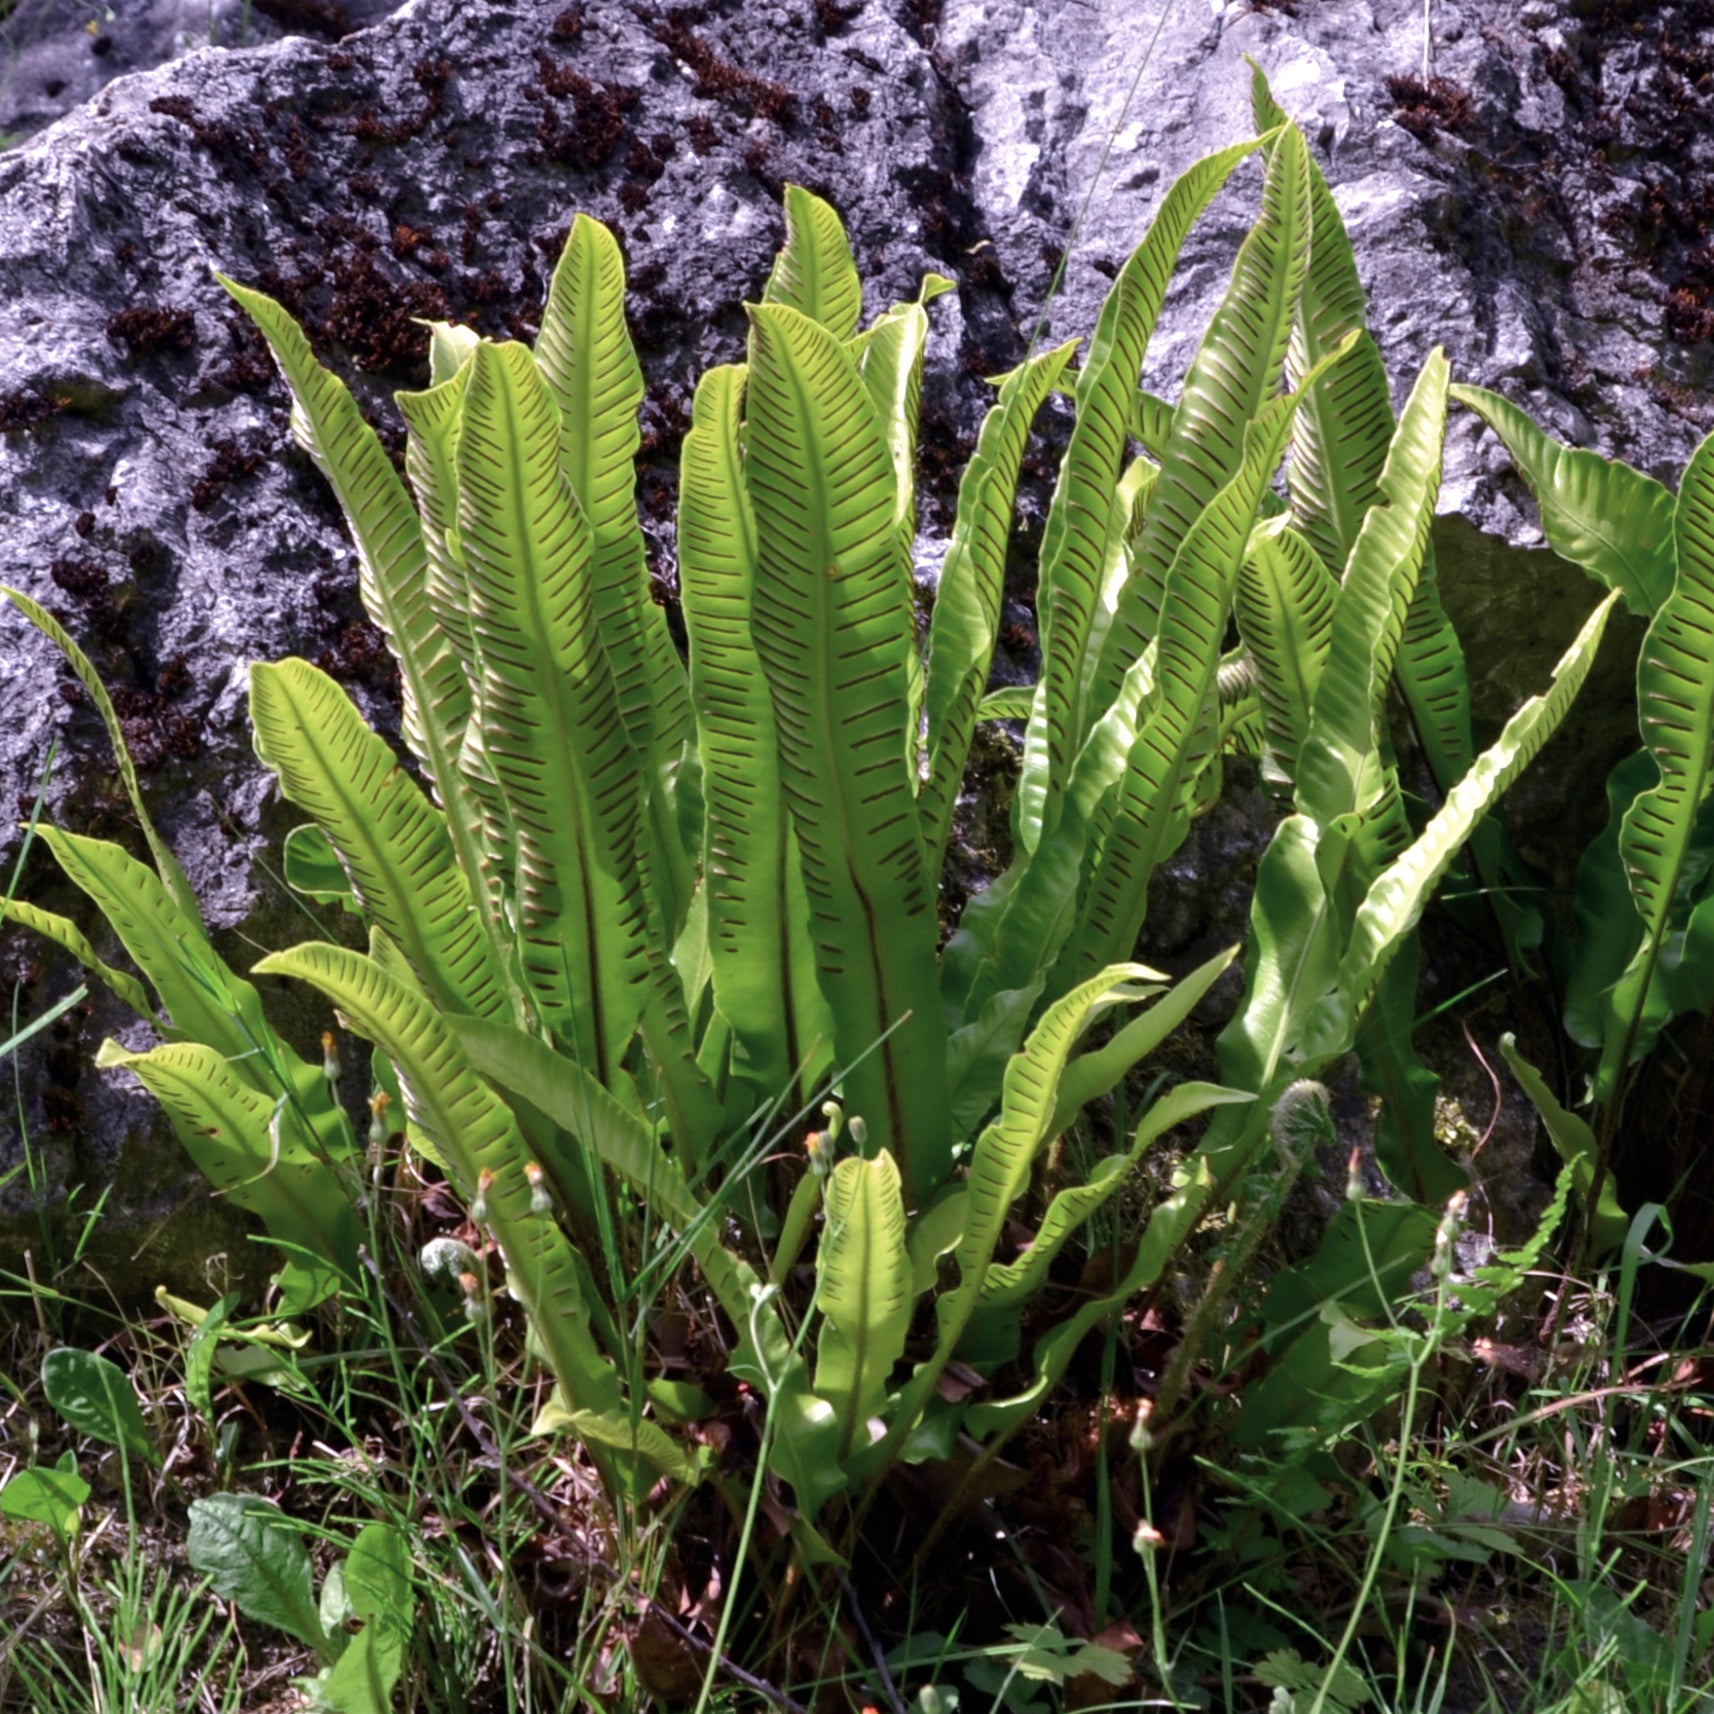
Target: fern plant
644,916
1643,952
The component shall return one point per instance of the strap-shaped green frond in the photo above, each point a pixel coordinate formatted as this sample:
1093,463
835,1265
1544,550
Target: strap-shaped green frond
1172,1221
1284,606
814,273
247,1148
806,1441
431,463
1018,1281
1599,513
172,875
1074,546
832,628
586,357
972,581
66,935
476,1134
1290,963
1395,901
1574,1142
551,726
1675,708
865,1293
392,842
392,560
1237,370
203,1000
758,915
1340,765
1145,818
1001,1160
1096,1073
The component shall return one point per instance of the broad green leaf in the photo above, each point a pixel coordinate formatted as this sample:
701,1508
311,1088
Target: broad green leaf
392,560
807,1431
814,273
1094,1074
1284,604
1608,927
586,357
1675,709
253,1558
249,1148
476,1133
1341,765
1147,815
312,867
1074,547
1010,702
1574,1142
832,626
1396,899
378,1577
362,1680
1017,1281
1290,962
95,1397
47,1496
1365,1262
1174,1218
1236,371
1001,1161
392,842
199,1353
172,875
66,935
1599,513
204,1001
758,914
864,1295
972,583
551,723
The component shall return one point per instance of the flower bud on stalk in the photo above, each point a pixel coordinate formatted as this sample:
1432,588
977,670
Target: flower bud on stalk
479,1207
540,1201
1446,1235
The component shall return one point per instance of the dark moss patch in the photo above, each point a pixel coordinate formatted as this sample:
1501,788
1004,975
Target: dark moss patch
432,76
376,317
567,25
324,18
27,407
590,136
1424,108
148,328
718,79
232,459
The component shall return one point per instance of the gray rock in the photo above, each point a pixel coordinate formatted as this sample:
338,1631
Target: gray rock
1534,203
56,54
